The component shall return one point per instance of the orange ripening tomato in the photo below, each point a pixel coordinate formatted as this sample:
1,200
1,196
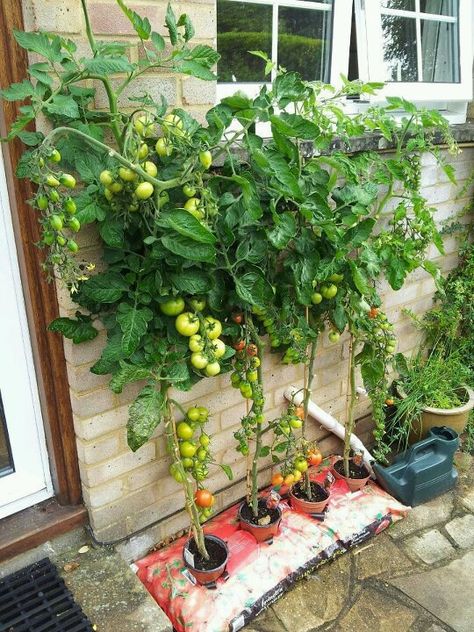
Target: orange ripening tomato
204,498
315,458
373,312
389,401
299,412
277,479
239,346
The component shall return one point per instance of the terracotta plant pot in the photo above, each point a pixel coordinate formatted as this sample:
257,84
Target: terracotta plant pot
455,418
308,506
214,546
261,533
354,484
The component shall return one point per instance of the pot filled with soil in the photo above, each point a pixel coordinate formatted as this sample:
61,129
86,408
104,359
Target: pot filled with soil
299,499
206,571
265,525
358,474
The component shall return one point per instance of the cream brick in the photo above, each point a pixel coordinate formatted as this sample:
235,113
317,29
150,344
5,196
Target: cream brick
151,473
124,508
81,379
109,19
101,424
95,497
99,450
154,85
126,462
231,416
203,16
85,352
62,16
91,403
196,91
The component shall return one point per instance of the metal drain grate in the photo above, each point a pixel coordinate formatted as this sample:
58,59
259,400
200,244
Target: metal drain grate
36,599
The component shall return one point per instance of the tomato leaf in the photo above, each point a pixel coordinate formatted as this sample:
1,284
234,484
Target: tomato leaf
191,281
142,26
126,374
107,287
111,354
134,324
253,288
79,330
145,414
63,105
189,248
18,91
284,230
186,224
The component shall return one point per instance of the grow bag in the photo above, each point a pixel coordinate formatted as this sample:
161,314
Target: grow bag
257,574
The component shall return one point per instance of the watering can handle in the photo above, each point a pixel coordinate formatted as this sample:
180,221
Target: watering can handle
421,449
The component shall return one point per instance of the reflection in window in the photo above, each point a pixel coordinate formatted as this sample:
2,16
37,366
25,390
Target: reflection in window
297,38
439,7
439,51
399,45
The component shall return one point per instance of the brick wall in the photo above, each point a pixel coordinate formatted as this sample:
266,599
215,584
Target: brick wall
126,491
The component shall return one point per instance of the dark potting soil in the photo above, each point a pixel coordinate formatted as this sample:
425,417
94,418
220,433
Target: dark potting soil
247,514
318,493
217,555
355,471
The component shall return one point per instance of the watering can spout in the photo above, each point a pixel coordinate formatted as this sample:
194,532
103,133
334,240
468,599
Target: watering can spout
424,471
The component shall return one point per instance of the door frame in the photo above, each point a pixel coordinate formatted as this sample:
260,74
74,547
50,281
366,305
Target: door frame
40,296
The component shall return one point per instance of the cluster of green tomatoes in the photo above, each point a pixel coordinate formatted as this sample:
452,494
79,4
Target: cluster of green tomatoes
195,456
203,332
327,290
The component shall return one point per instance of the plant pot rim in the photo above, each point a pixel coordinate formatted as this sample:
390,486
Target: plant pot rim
258,526
446,412
214,538
305,500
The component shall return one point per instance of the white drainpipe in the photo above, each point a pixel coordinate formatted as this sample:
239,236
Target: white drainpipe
296,395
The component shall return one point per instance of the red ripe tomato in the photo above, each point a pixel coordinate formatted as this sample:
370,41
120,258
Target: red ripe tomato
252,350
315,458
240,345
204,498
237,317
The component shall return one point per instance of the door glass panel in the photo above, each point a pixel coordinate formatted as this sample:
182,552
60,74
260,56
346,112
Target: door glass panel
304,42
440,51
242,27
440,7
399,46
6,461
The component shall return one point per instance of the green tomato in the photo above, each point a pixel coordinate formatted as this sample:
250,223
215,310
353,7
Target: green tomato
56,222
390,349
316,298
192,204
61,240
199,360
336,278
204,440
252,375
173,306
42,202
72,246
184,430
301,464
164,198
108,194
205,158
187,449
187,324
218,346
329,291
127,175
115,187
187,463
193,414
51,181
203,414
255,362
70,206
334,336
144,190
54,195
143,151
163,147
212,369
74,224
296,423
172,123
55,156
259,419
202,454
196,343
67,180
106,178
246,390
144,126
198,304
48,238
176,473
213,327
189,191
235,379
151,168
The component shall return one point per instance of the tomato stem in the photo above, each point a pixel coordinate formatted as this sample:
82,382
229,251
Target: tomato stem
307,396
352,398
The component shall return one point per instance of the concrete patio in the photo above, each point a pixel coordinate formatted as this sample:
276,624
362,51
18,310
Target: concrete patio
417,577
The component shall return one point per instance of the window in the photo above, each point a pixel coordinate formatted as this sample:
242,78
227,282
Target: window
421,49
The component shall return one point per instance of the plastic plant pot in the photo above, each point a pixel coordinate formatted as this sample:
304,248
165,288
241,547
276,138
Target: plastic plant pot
212,569
308,506
354,484
262,533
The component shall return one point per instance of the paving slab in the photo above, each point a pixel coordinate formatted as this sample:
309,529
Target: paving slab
430,547
461,529
446,592
318,599
468,500
376,611
435,512
380,556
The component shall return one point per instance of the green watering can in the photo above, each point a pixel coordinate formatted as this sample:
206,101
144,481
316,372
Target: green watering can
424,471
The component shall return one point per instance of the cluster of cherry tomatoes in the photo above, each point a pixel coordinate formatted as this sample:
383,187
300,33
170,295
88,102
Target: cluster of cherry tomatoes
382,330
327,290
203,332
293,472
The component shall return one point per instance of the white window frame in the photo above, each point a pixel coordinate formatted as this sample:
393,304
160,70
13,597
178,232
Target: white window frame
339,56
371,65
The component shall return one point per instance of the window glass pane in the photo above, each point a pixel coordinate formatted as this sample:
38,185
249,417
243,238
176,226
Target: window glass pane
304,42
440,7
440,51
403,5
242,27
399,46
6,462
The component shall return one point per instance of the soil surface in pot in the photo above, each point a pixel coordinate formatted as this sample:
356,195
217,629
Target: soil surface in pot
217,555
263,512
318,493
355,471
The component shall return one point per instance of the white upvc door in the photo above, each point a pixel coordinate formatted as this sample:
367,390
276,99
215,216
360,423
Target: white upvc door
24,471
